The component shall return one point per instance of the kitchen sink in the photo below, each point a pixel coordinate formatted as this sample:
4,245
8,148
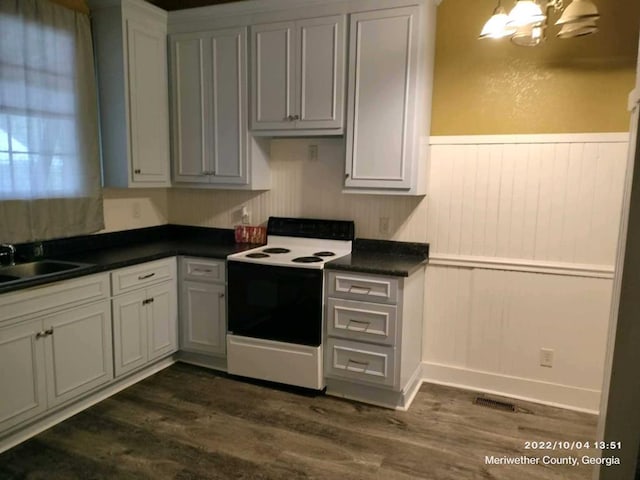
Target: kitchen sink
36,269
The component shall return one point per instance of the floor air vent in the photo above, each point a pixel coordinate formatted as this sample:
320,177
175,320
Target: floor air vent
495,404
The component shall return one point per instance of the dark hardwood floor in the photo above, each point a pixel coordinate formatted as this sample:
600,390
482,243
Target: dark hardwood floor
190,423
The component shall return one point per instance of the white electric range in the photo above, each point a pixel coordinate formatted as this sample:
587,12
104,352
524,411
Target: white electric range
275,301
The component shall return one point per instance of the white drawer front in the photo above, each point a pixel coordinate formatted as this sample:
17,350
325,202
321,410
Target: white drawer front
203,270
360,362
54,297
370,288
131,278
367,321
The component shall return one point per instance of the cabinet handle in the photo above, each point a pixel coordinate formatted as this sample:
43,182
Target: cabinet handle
146,301
346,175
359,290
221,295
361,322
291,118
202,270
144,277
44,333
364,365
296,117
137,170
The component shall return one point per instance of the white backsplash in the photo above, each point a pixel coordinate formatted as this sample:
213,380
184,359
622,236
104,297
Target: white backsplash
304,188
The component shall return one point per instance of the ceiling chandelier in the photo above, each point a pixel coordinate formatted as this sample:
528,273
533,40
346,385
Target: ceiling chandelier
526,24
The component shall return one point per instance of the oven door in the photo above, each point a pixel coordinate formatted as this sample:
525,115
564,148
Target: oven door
275,303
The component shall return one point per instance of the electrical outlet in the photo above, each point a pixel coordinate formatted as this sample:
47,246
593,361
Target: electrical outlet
383,225
245,216
136,210
546,357
313,153
38,250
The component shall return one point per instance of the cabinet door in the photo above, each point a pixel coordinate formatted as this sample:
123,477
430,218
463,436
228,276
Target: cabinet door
148,103
162,320
380,111
273,76
78,351
203,318
190,100
129,331
227,128
21,373
321,72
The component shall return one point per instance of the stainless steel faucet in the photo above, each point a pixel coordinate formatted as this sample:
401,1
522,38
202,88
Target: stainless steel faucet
10,252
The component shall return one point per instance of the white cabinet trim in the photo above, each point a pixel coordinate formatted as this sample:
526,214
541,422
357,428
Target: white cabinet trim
514,264
614,137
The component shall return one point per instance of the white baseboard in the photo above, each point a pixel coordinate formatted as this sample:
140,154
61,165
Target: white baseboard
552,394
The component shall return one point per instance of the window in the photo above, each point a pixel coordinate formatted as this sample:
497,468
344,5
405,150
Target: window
48,121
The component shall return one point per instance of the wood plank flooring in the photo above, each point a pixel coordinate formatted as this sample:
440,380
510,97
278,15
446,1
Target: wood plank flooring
188,423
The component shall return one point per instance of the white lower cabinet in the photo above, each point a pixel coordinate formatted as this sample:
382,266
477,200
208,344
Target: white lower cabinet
145,320
22,374
129,331
49,359
373,338
203,313
61,341
78,353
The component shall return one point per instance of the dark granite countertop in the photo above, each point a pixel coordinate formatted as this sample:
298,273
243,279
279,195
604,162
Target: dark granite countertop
109,251
383,257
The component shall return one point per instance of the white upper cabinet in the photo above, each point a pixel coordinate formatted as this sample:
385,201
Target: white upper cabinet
298,77
148,102
273,76
245,71
131,58
386,108
211,143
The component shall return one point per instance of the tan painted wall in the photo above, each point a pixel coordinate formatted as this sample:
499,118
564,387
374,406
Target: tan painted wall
564,86
134,208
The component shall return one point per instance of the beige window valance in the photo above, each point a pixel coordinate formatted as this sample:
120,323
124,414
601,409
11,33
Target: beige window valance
79,5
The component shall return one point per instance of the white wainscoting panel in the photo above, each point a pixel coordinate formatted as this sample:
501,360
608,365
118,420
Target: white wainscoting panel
553,198
523,232
496,322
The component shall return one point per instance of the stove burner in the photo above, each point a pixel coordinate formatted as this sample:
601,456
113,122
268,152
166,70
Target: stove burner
276,250
306,259
324,254
257,255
